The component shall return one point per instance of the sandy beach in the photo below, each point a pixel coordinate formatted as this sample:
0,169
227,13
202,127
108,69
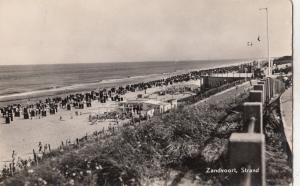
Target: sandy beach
51,130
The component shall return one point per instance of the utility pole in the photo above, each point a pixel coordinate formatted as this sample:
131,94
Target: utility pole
268,40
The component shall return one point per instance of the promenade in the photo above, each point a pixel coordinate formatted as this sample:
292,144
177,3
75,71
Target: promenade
286,105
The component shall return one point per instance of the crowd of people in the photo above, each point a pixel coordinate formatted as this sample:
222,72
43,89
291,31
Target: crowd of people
82,100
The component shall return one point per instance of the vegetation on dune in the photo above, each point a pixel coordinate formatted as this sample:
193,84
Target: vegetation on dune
278,155
139,152
188,139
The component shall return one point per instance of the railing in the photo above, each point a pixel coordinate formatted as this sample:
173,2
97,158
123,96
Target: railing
247,150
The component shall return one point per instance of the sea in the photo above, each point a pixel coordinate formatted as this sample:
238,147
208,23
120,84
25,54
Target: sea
16,79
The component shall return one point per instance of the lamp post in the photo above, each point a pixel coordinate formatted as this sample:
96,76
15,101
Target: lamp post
268,40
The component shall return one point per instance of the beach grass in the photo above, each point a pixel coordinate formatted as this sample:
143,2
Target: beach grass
143,151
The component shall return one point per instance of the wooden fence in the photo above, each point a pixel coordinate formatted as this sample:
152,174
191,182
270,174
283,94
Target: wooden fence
247,149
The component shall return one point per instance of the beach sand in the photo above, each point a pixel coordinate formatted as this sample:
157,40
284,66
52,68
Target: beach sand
24,135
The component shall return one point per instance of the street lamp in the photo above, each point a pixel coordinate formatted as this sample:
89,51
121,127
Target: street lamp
267,26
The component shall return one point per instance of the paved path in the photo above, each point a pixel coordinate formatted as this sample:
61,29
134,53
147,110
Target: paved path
286,107
228,93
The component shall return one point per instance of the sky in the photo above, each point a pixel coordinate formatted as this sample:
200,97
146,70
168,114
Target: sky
88,31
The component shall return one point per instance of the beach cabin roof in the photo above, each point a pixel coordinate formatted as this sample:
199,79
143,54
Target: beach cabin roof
147,101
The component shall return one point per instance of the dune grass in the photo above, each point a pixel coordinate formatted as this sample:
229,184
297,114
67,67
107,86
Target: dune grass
140,151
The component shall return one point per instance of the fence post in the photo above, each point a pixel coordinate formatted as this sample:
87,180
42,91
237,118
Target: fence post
276,86
247,153
261,87
271,87
247,150
256,96
264,82
254,109
268,89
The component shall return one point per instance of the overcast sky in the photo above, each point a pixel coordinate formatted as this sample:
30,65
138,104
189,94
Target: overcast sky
86,31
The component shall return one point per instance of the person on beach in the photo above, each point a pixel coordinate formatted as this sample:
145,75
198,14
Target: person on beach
49,147
40,147
13,156
34,156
